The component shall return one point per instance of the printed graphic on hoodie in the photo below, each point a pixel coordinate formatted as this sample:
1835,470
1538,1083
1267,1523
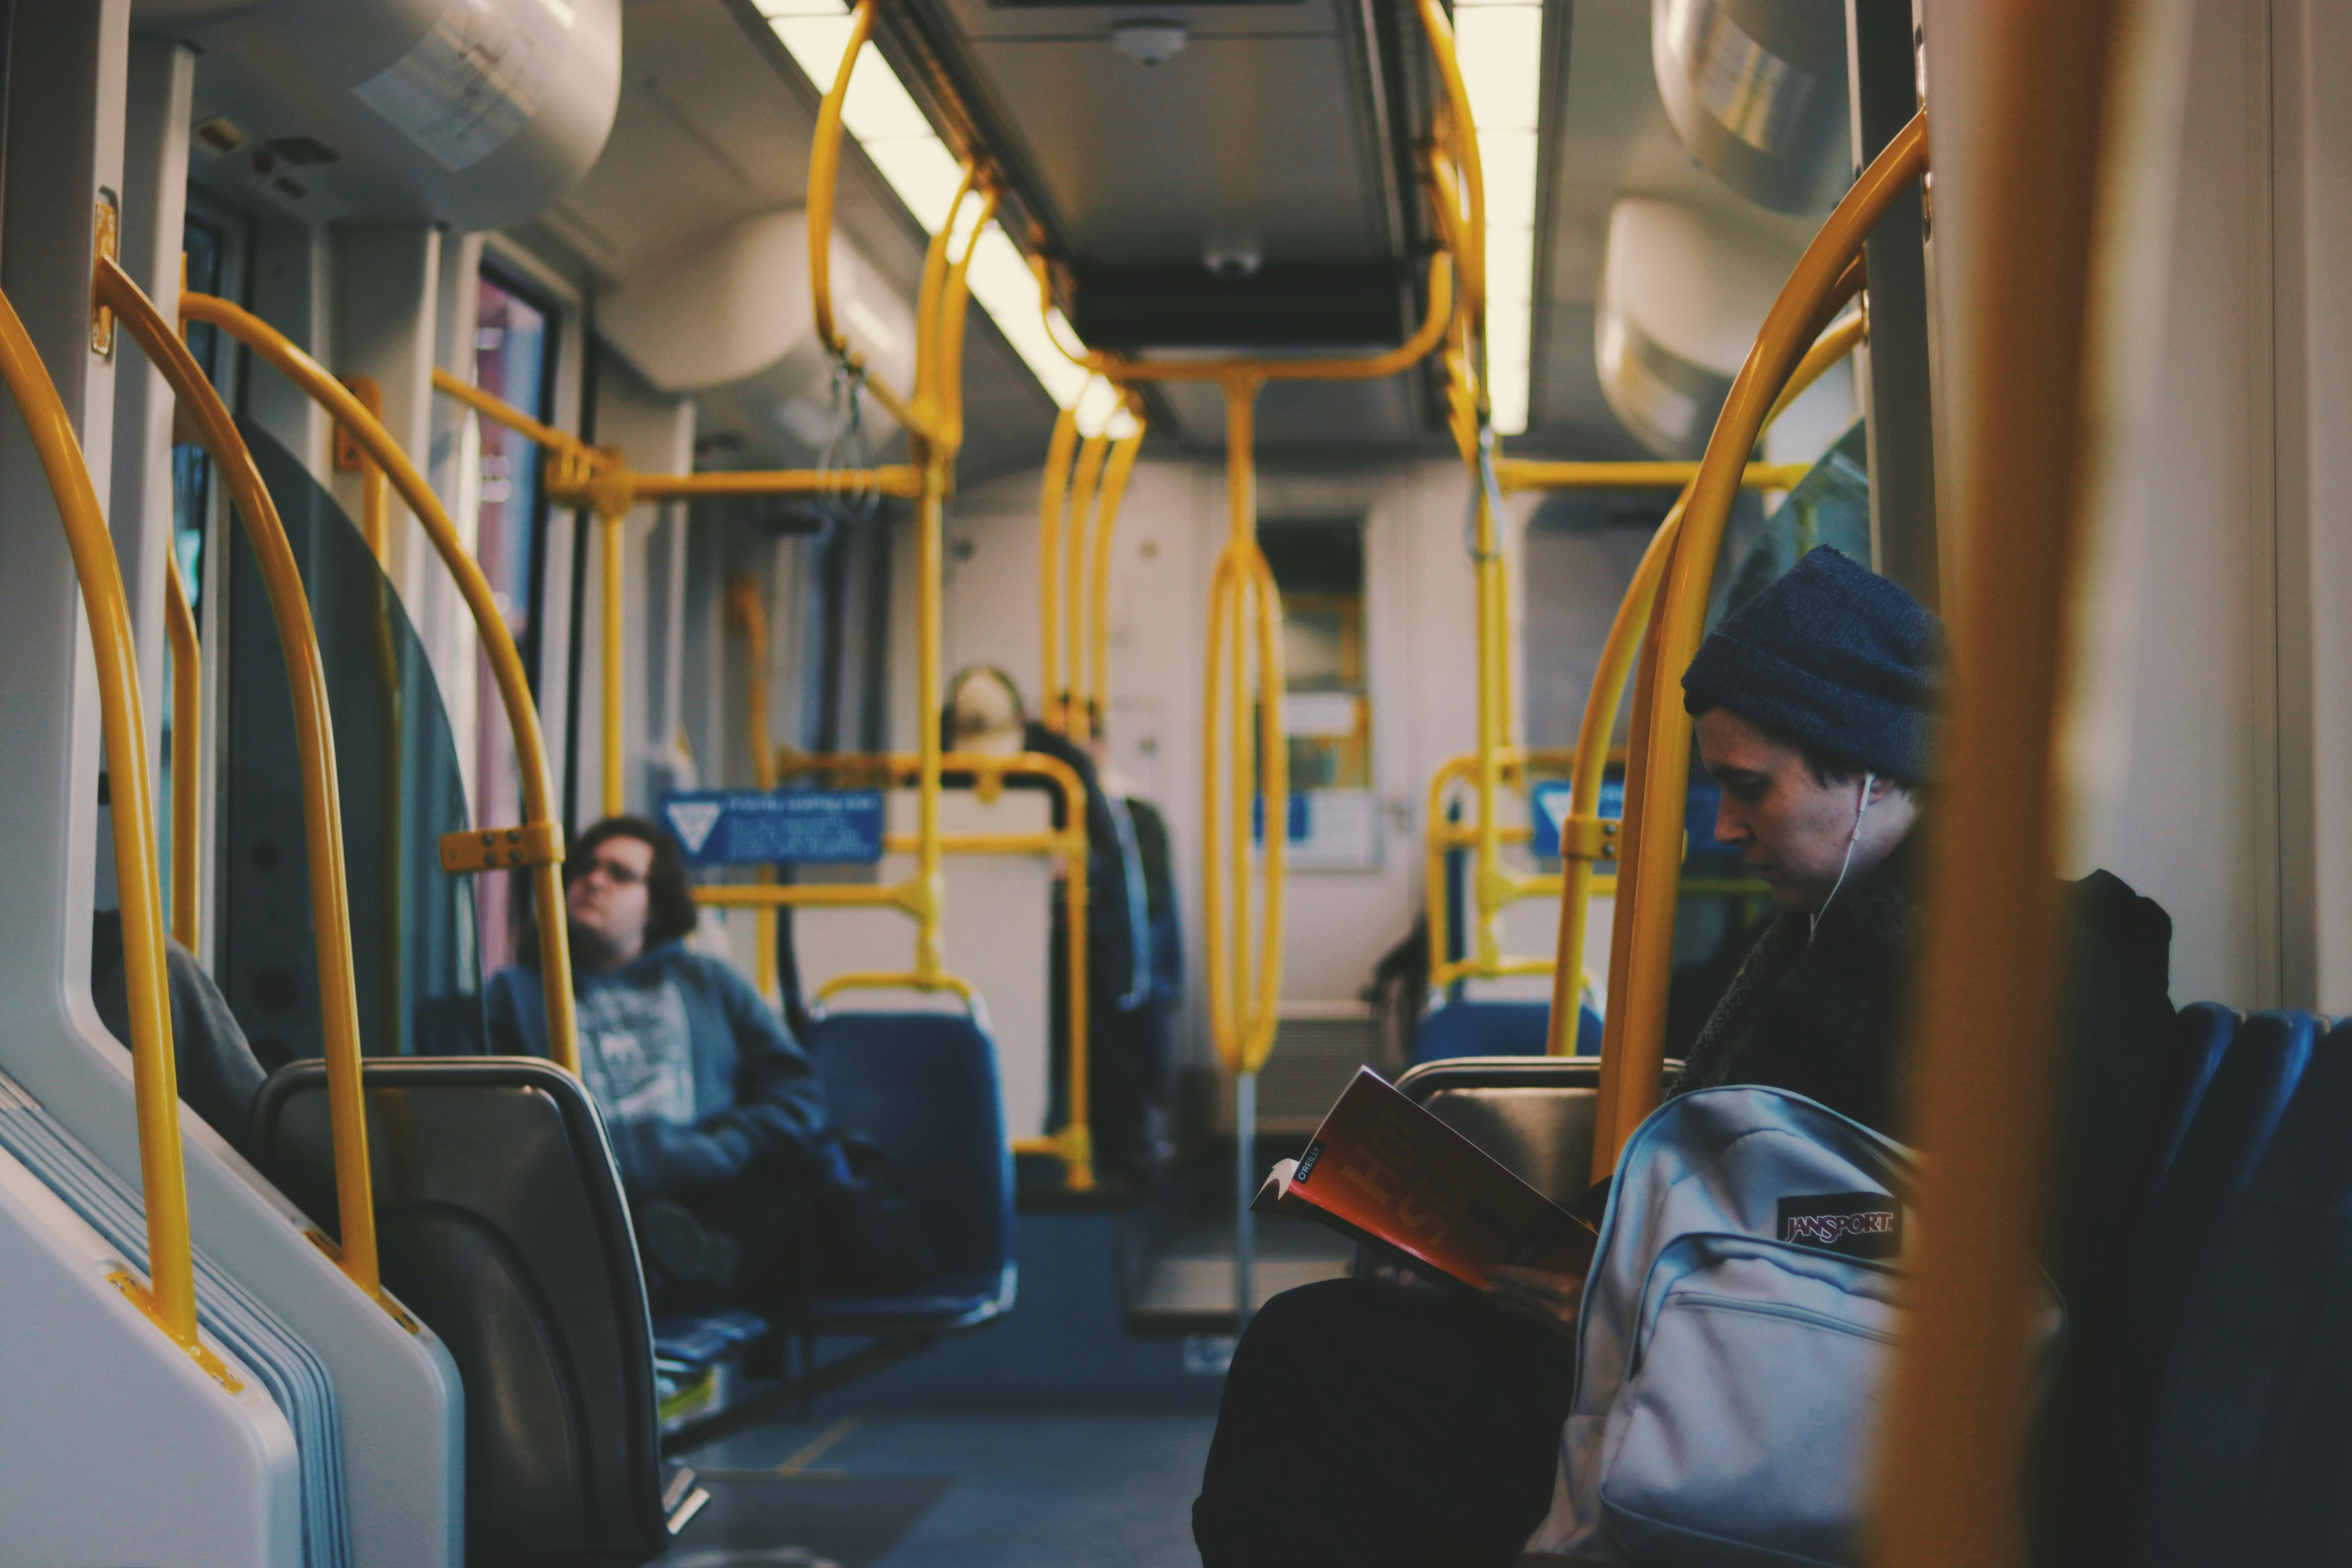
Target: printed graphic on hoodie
636,1052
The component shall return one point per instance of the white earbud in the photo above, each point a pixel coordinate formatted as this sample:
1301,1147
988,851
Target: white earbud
1860,809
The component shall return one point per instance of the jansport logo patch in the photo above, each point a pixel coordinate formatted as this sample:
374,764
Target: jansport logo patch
1859,1224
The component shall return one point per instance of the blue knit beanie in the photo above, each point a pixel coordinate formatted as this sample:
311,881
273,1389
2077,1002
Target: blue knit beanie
1832,655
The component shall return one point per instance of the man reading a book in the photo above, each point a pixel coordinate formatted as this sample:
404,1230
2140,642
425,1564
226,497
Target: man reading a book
1404,1422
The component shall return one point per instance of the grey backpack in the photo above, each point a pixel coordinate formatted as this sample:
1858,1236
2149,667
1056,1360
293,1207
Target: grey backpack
1734,1339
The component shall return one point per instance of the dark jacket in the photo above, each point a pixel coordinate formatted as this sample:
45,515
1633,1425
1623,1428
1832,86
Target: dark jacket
218,1073
1822,1017
754,1093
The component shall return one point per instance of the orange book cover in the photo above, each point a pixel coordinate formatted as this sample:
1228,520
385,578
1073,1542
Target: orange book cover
1383,1170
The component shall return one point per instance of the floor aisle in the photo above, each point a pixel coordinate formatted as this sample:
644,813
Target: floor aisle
968,1491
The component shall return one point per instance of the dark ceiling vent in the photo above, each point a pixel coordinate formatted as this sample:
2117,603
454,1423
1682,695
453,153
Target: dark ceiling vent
1280,305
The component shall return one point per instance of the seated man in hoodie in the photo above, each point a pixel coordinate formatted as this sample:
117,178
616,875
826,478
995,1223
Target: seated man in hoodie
715,1113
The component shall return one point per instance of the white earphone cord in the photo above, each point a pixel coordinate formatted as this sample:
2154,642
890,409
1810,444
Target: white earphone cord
1860,809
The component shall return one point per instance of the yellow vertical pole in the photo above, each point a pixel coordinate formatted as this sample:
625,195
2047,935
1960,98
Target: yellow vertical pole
187,733
745,610
609,529
1487,894
1113,490
1988,1002
1076,713
1051,507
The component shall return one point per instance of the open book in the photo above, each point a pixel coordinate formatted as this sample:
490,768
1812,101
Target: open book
1385,1170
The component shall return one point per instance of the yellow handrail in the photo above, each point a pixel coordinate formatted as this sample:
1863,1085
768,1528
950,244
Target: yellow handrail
1585,838
1243,596
613,792
314,740
1989,1061
1092,452
1113,490
1525,474
825,176
1072,1144
496,640
188,732
1053,507
169,1297
1469,228
1660,772
749,616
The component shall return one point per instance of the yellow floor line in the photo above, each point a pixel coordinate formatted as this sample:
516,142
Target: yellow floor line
817,1446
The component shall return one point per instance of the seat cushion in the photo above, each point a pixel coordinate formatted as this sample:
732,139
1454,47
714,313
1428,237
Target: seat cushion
693,1342
1476,1028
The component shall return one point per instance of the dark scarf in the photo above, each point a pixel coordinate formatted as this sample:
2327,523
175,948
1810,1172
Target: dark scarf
1820,1017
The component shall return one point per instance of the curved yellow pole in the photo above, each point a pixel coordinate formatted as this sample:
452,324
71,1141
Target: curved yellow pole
1053,506
314,736
1465,127
824,178
171,1297
496,640
187,734
1242,1007
1113,490
1370,367
1636,1023
1988,1002
1586,837
1077,720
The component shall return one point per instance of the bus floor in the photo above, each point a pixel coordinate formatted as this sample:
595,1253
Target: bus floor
1069,1434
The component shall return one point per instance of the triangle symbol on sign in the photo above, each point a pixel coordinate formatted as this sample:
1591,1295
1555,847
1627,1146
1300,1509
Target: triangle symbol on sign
1556,803
693,820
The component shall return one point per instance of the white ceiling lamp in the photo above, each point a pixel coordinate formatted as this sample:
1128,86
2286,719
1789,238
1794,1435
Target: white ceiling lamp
1499,47
883,118
1150,43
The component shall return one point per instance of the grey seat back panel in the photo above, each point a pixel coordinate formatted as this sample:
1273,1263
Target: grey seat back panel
1534,1114
501,1222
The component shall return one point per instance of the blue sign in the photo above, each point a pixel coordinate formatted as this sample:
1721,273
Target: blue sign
1550,807
766,828
1297,823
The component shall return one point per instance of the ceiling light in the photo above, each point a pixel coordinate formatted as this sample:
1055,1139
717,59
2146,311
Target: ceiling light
1150,43
1499,48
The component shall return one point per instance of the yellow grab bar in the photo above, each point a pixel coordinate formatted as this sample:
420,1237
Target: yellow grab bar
1092,452
825,176
1243,597
749,616
1659,772
187,732
314,738
1469,228
1053,508
170,1299
496,640
1585,838
1989,1062
1113,490
1524,474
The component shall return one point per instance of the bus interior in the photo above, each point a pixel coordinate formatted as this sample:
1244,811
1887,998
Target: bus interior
1139,557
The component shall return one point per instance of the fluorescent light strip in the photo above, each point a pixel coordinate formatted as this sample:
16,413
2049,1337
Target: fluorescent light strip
886,122
1501,49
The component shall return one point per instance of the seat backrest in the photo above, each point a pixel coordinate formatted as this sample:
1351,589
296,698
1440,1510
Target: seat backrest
2202,1033
2253,1340
501,1222
1535,1114
1473,1028
924,1086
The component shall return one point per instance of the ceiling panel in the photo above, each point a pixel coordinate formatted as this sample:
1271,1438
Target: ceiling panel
1236,140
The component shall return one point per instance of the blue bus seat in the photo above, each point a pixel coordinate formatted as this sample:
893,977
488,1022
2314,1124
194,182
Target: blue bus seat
2247,1321
2201,1034
500,1221
924,1086
1476,1028
2217,1151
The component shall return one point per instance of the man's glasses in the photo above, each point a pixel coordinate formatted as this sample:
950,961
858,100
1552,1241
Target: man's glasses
617,872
